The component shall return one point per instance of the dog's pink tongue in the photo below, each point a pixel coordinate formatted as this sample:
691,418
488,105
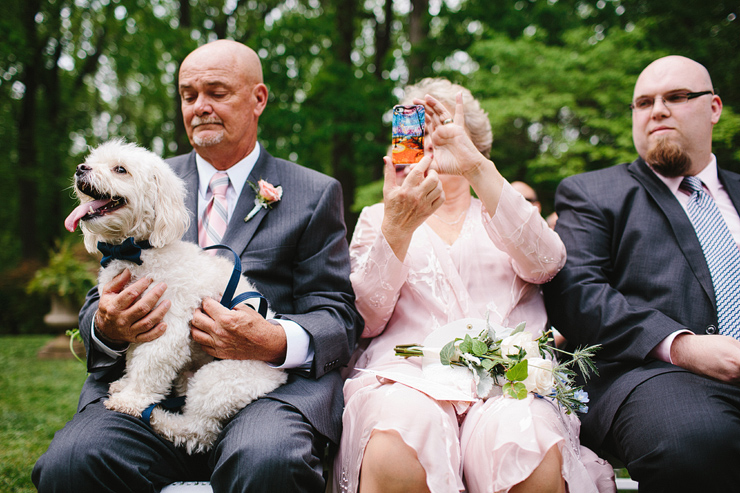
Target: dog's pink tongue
81,211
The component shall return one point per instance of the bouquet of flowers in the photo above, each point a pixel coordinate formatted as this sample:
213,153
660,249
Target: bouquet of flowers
518,364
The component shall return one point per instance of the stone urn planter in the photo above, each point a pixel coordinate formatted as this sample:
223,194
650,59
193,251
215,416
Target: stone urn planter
68,276
63,314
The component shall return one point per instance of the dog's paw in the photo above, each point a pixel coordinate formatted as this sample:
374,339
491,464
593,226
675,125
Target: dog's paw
165,423
195,435
121,407
117,386
197,443
130,403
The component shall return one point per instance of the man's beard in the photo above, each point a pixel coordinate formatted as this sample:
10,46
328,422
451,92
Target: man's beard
208,141
669,159
212,139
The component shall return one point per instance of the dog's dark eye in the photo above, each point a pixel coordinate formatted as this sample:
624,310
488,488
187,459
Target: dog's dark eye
120,169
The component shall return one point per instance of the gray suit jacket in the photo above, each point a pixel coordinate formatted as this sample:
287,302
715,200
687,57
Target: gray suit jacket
296,255
635,274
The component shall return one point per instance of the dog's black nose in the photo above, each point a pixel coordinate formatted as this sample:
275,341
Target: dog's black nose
82,169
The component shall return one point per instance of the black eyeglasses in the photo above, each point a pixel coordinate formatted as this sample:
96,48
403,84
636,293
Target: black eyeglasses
672,99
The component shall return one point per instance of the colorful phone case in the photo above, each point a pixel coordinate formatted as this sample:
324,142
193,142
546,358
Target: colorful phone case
408,134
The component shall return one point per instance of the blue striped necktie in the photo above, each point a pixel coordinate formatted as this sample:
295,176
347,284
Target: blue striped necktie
721,253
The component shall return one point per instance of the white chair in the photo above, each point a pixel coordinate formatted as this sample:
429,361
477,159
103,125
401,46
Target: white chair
202,487
188,487
205,486
625,484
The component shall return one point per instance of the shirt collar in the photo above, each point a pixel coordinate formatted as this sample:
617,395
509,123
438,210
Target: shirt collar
238,173
708,176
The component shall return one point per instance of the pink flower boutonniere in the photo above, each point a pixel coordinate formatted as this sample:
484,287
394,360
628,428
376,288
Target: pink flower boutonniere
267,194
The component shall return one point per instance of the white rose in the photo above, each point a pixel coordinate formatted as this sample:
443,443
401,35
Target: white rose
539,378
523,340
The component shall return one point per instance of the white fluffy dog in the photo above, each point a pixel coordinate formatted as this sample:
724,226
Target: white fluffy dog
126,192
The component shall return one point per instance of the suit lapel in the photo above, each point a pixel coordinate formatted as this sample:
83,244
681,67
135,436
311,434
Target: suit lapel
190,177
732,187
239,233
683,230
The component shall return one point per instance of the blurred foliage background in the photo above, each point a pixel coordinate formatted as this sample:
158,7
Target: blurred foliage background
555,76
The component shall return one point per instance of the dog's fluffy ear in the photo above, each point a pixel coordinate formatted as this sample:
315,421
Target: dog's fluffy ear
171,218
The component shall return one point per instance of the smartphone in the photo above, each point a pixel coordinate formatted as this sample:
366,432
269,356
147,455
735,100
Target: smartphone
408,134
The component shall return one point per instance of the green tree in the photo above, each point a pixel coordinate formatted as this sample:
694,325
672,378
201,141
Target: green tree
554,75
558,110
73,74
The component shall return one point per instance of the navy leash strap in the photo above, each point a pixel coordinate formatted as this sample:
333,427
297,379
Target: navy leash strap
250,298
261,302
228,299
235,274
169,403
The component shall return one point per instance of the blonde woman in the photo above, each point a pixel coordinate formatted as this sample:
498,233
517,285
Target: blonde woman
431,254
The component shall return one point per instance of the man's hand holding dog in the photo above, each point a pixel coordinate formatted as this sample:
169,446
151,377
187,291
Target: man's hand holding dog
130,313
241,333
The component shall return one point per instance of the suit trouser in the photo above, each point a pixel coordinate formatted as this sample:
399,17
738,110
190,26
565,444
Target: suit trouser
680,432
268,446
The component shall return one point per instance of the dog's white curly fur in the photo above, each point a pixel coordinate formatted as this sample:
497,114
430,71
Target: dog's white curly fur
155,211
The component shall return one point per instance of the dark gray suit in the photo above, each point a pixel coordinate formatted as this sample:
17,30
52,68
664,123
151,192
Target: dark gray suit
635,274
296,255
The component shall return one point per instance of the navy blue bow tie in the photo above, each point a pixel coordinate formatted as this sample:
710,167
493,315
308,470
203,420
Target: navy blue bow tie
128,250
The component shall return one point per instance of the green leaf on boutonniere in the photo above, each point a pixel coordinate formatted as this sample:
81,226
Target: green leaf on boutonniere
516,390
518,372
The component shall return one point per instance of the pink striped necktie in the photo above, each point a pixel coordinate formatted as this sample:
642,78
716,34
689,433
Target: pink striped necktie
213,224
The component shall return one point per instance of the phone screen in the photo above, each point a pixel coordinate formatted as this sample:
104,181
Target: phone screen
408,134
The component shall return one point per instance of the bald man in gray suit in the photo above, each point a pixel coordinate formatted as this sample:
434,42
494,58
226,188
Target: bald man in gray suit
296,255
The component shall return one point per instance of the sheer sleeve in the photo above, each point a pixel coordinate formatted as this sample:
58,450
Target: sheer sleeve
517,228
377,274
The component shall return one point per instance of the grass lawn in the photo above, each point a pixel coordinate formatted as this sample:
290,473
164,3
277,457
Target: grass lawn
37,397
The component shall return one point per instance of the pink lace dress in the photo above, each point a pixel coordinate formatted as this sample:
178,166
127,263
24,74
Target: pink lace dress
491,271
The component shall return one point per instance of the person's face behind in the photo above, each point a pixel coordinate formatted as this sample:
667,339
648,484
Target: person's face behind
528,193
688,125
221,102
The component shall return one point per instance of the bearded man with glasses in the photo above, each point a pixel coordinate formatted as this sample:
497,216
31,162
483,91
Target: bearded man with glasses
653,275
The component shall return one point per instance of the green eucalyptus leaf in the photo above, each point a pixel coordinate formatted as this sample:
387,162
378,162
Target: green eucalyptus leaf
519,328
485,383
515,390
508,389
479,347
467,345
518,372
447,354
520,390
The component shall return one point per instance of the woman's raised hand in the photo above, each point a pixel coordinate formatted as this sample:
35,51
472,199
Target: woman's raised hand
409,204
454,153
